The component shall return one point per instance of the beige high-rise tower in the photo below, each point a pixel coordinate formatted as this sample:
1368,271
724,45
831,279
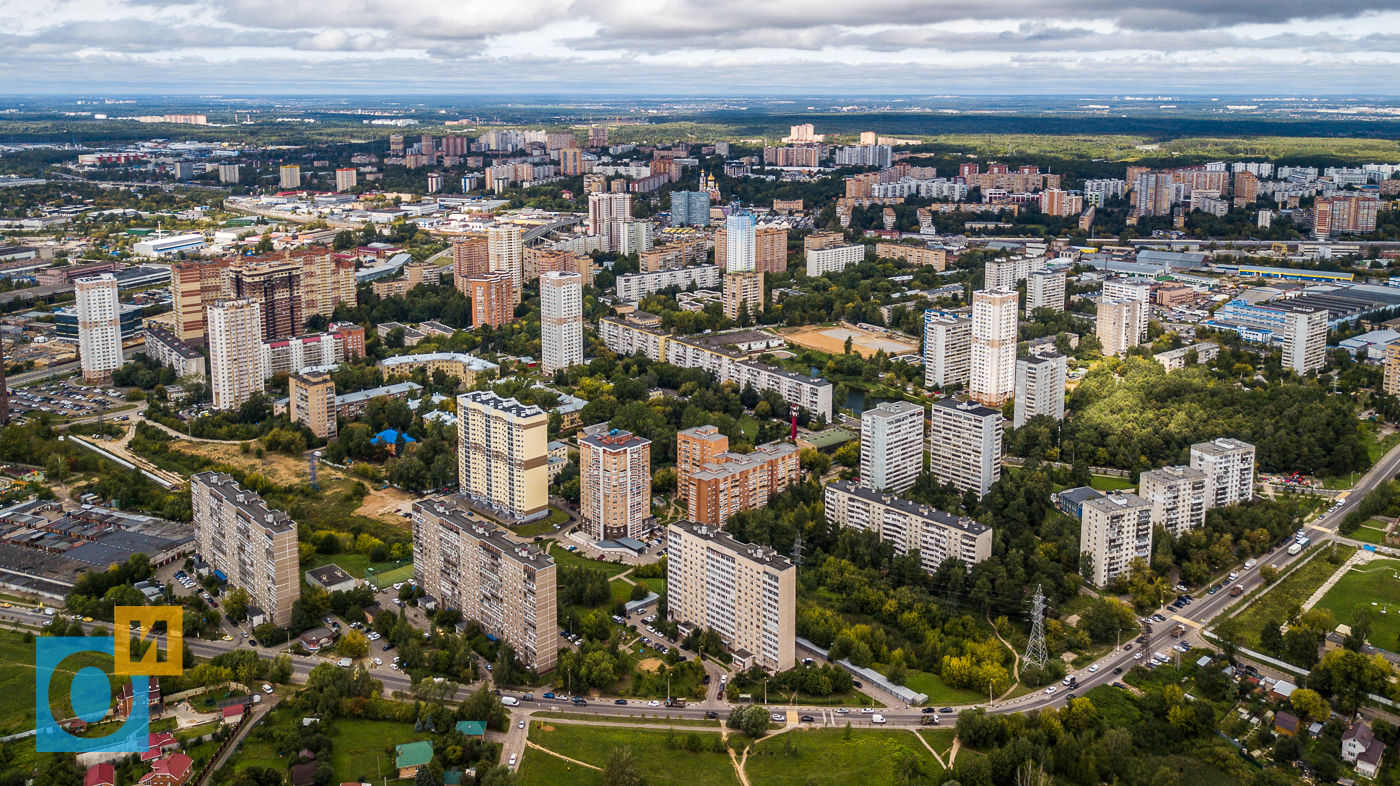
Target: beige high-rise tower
503,455
311,401
561,321
235,344
744,289
993,373
256,548
506,252
99,327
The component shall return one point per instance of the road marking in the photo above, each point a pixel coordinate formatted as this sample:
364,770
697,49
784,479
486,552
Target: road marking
1180,618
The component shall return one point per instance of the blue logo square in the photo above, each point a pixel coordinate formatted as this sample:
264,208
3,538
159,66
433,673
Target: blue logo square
89,702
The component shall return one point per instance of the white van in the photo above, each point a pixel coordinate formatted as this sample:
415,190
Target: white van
510,701
1251,563
877,719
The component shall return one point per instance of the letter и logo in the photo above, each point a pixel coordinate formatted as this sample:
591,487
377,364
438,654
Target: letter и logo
129,618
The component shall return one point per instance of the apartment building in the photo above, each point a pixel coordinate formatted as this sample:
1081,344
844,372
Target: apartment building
466,368
716,484
707,352
505,252
1304,338
342,341
493,299
746,593
561,321
743,291
414,273
1175,359
1007,273
289,176
690,208
1058,202
99,327
502,454
1045,289
256,548
235,337
891,446
1120,325
162,345
1229,467
964,444
1040,387
541,260
276,286
633,287
1177,496
833,259
680,252
508,588
909,526
311,402
947,350
1344,215
1115,530
740,242
193,286
345,178
615,485
471,256
936,258
992,376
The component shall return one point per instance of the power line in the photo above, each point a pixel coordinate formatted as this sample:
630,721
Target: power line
1035,650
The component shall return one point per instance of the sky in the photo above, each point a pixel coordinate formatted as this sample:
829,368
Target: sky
700,47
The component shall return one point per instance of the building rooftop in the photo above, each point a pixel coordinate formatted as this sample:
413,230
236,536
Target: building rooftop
1221,446
329,574
168,339
473,363
445,510
1169,474
826,438
926,512
1116,501
891,409
248,502
616,439
719,537
968,407
510,406
397,389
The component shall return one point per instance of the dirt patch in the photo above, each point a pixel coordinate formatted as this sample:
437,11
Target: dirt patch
650,664
544,727
865,343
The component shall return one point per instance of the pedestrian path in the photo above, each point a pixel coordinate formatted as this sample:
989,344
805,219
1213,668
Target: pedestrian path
1361,557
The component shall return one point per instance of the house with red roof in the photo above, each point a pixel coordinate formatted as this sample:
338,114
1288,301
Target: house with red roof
103,774
173,770
233,713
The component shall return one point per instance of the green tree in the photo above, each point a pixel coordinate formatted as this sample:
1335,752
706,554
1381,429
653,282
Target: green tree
236,604
620,769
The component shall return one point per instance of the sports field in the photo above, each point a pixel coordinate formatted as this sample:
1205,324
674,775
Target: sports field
832,339
1374,586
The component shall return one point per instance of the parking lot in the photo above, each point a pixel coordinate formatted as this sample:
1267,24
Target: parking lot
63,399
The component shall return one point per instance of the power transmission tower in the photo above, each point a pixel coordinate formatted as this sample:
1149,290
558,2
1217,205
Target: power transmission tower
797,550
1035,650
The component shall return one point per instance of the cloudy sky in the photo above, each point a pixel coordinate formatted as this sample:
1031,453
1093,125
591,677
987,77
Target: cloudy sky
703,47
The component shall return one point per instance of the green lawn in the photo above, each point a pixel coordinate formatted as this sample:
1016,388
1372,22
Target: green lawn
662,765
1294,589
660,721
1369,533
940,739
541,769
1109,483
544,526
359,746
391,577
825,756
17,681
354,564
938,692
564,558
1371,586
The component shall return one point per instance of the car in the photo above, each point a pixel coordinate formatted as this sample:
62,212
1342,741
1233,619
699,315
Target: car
1118,670
1212,591
1127,647
549,695
394,666
267,688
488,667
856,683
1067,680
1141,639
521,726
711,715
512,760
618,701
87,619
866,711
807,719
228,638
388,645
842,711
1093,667
378,662
1069,697
396,586
1137,656
653,703
778,717
1050,691
946,710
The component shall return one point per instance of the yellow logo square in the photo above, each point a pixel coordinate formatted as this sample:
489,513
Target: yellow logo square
145,617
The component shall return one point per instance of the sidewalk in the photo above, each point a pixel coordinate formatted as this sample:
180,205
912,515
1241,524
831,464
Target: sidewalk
1359,558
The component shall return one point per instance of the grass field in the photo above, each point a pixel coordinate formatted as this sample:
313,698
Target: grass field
564,558
824,756
541,769
1371,586
1109,483
1370,533
18,681
938,692
391,577
663,766
1287,592
359,745
544,526
660,721
832,340
940,739
354,564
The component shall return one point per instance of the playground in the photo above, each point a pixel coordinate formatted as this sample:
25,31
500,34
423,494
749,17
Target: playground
1374,585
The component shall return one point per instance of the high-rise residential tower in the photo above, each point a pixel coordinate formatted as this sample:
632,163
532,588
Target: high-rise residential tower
99,327
992,379
740,242
964,444
561,320
506,252
253,546
1040,387
503,455
891,446
235,348
947,350
615,485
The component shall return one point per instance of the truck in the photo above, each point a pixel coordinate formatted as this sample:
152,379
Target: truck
877,718
1178,631
1250,563
1236,591
1304,541
510,701
675,703
1295,548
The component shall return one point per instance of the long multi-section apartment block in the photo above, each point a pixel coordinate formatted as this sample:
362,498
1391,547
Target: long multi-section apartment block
936,535
1113,531
1178,497
624,338
503,454
746,593
1229,468
473,566
636,286
255,547
716,484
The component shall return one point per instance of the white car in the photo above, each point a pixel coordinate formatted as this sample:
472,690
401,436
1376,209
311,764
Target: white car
653,703
394,666
398,586
841,710
378,662
512,760
267,688
1137,656
1050,691
521,726
1093,668
867,711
